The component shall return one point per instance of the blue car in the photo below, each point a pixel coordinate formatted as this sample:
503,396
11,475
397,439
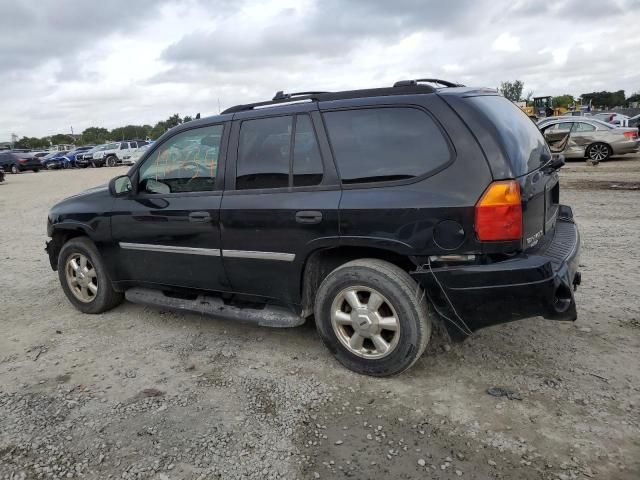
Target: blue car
55,160
64,159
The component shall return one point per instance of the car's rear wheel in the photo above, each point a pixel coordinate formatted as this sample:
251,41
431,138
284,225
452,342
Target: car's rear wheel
599,152
111,161
84,278
15,169
373,316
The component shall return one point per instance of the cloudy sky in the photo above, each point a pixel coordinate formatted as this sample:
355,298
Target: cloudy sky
81,63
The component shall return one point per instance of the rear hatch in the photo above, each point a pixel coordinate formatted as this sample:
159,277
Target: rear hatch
515,149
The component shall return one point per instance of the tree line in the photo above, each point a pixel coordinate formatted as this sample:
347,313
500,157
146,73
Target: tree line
99,135
513,91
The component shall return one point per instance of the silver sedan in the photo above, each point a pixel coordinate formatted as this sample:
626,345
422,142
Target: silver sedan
582,137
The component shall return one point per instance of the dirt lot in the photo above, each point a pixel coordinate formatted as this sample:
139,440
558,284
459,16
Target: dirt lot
142,393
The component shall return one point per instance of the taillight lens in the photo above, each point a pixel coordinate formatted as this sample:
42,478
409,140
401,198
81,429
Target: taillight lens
499,212
23,160
631,135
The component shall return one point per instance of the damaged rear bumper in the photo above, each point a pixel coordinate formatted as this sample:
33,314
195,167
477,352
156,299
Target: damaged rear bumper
538,282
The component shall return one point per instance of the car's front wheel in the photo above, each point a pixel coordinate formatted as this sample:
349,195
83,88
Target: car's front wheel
111,161
84,278
373,316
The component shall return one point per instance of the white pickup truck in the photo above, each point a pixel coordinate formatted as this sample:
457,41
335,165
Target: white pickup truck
117,153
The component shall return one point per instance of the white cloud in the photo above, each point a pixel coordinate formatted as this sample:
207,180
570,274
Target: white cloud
506,43
100,68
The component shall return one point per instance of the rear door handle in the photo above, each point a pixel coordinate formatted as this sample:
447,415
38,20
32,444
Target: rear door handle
199,217
308,216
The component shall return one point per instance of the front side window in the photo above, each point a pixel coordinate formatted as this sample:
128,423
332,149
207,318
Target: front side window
383,144
187,162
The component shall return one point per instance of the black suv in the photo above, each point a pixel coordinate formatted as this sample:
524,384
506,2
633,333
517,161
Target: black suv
384,213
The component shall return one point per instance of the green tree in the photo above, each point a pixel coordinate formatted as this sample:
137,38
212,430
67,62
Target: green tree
512,90
61,138
158,130
94,136
604,98
173,121
563,100
634,98
32,143
186,119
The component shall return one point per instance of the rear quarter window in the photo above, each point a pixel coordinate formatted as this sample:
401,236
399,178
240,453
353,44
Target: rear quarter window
385,144
521,140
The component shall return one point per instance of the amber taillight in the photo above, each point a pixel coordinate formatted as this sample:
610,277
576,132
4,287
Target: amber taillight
499,212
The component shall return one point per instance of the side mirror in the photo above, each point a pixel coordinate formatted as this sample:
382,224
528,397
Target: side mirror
151,185
120,186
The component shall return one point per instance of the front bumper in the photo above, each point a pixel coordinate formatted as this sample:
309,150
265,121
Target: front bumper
538,282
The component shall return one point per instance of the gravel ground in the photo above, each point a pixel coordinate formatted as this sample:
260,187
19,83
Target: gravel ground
143,393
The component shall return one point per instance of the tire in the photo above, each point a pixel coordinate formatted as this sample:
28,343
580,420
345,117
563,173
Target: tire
111,161
36,170
402,303
105,297
599,152
15,169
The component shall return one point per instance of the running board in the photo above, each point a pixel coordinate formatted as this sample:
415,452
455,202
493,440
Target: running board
269,316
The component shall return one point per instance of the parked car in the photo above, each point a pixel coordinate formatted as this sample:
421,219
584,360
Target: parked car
72,156
55,160
385,213
40,154
85,159
16,162
588,138
61,148
119,152
138,153
610,117
634,121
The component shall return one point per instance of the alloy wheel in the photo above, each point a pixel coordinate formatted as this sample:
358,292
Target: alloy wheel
365,322
81,277
598,152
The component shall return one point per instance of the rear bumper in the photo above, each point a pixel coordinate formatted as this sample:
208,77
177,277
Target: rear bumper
621,148
538,282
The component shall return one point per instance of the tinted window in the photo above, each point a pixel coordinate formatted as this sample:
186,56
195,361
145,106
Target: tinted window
263,153
307,163
187,162
521,140
379,144
583,127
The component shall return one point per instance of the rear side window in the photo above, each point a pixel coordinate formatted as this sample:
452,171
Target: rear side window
520,138
266,158
383,144
263,154
307,163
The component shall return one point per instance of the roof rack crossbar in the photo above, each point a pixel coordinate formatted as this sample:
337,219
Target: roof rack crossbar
445,83
280,95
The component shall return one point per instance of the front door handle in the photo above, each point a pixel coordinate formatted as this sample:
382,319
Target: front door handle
199,217
308,216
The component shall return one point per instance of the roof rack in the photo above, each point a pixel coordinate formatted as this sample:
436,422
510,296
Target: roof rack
405,87
280,95
445,83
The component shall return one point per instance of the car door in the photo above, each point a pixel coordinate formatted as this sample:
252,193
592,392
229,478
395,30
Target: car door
167,231
558,136
582,135
280,203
